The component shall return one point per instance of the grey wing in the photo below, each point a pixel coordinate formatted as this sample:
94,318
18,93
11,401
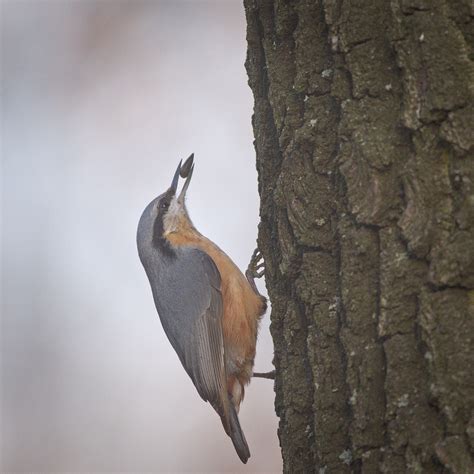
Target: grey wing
189,302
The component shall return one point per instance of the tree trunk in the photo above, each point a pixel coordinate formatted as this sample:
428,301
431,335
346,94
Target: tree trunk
363,130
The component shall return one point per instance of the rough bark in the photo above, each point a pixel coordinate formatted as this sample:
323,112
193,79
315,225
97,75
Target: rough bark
363,131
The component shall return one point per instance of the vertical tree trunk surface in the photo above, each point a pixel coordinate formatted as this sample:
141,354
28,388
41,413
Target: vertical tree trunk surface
364,130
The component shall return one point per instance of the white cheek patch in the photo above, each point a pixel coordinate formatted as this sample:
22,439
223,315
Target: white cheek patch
171,218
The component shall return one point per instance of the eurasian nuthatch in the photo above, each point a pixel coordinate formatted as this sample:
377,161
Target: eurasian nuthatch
209,310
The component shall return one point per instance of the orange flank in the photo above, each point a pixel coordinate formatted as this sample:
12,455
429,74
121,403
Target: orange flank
242,307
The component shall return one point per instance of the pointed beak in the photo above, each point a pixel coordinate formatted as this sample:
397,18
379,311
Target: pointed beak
186,172
174,183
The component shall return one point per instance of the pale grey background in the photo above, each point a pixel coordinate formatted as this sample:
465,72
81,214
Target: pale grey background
100,99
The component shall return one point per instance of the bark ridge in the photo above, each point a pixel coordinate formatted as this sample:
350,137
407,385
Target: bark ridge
363,131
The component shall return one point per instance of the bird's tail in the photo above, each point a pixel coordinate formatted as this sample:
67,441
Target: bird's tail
237,435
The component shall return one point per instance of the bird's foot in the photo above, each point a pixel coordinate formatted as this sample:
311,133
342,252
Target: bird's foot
265,375
256,269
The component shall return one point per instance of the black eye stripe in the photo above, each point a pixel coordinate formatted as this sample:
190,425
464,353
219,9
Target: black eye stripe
165,200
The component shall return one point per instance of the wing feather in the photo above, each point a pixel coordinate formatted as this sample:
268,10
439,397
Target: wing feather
187,296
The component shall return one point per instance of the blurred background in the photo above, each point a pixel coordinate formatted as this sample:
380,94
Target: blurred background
99,101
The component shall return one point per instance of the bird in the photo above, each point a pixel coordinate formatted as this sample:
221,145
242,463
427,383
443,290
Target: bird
209,310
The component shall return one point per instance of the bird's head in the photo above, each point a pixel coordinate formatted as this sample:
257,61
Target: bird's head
171,207
167,213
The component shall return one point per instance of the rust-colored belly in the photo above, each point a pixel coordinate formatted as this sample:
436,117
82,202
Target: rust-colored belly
242,309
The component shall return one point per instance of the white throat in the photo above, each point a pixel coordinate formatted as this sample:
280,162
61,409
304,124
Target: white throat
172,218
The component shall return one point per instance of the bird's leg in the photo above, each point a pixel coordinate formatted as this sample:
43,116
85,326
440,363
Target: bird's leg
255,269
265,375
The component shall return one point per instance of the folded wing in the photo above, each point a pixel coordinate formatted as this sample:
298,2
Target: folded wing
188,299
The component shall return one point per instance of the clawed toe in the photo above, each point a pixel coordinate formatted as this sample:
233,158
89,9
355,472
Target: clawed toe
256,263
256,268
259,274
265,375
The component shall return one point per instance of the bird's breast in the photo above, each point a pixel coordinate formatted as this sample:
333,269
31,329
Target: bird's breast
242,308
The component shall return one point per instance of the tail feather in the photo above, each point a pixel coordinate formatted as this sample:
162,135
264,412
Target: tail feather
237,435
